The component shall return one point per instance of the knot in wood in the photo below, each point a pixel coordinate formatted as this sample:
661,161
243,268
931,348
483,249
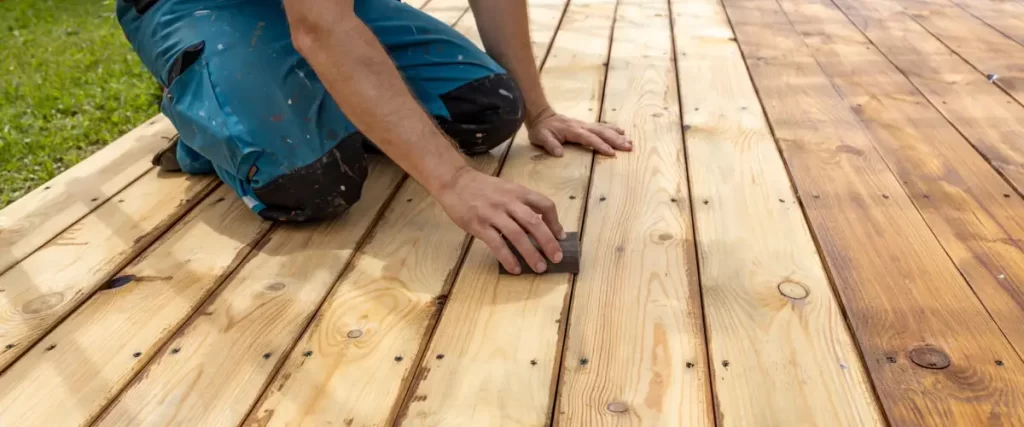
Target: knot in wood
355,333
42,303
119,281
793,290
617,407
929,358
274,287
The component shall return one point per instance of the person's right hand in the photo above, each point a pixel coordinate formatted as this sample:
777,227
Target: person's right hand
489,208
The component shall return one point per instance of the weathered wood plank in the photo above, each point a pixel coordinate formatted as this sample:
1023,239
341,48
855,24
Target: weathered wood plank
356,361
988,50
991,120
229,351
771,315
494,357
635,351
43,289
31,221
89,358
959,194
903,297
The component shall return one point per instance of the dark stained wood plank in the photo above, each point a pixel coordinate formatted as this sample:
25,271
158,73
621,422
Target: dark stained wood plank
988,50
972,210
903,297
990,119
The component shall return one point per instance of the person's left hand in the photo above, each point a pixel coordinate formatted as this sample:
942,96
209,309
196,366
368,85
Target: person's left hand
552,130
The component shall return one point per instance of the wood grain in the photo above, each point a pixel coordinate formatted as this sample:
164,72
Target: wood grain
35,218
988,50
991,120
356,361
89,358
43,289
1005,16
635,350
899,289
493,359
959,194
780,349
235,343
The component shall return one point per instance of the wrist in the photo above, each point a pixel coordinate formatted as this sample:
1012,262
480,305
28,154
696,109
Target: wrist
538,114
442,174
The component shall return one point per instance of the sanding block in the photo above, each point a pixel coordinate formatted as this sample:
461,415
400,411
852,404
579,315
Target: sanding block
570,256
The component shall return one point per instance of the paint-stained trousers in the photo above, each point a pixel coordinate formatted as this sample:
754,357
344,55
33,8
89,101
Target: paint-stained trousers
249,108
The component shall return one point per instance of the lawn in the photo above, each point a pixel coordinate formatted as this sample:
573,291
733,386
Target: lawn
69,84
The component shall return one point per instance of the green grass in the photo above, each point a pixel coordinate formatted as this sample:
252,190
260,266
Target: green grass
69,84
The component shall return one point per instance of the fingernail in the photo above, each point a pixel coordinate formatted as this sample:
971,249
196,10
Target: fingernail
516,270
558,257
541,267
562,235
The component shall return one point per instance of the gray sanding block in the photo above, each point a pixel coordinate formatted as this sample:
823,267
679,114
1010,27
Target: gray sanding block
570,256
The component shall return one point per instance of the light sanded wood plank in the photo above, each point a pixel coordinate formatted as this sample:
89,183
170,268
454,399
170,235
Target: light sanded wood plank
986,49
965,207
635,351
42,290
769,307
494,357
1006,16
91,356
231,348
991,120
31,221
384,307
901,293
230,352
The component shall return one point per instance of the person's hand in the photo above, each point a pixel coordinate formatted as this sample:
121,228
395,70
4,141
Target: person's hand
489,208
551,130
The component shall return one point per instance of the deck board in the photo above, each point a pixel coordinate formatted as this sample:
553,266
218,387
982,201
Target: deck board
389,296
493,359
959,194
769,307
31,221
990,119
635,351
988,50
900,290
91,356
881,174
43,289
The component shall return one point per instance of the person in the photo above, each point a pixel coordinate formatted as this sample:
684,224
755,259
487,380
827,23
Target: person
284,99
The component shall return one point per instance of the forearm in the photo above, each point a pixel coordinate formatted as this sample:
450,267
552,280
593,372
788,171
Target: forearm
505,32
360,76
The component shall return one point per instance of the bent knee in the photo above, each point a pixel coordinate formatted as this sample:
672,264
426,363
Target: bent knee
323,189
484,113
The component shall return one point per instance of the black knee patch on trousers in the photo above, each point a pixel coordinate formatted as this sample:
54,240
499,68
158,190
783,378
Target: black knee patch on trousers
484,113
322,189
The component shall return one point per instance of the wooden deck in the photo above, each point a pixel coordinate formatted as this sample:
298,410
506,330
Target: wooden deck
821,224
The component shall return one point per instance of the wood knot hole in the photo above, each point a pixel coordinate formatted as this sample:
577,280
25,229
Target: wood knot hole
999,363
307,353
137,354
793,290
51,347
664,237
119,281
618,407
439,356
929,358
266,356
274,287
355,333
